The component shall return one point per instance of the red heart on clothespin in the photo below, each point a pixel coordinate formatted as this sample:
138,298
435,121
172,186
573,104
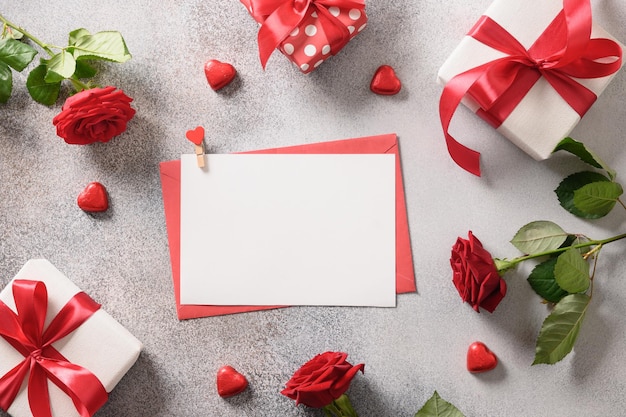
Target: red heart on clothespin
385,81
93,198
219,74
196,135
230,382
480,358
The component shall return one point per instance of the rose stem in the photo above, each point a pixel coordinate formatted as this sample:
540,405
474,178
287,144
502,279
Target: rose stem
78,85
598,243
43,46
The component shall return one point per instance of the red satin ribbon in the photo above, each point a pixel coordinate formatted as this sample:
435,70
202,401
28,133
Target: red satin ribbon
24,331
564,50
279,18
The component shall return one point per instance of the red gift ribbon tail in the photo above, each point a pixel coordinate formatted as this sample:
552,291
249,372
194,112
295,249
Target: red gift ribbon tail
11,383
453,93
84,388
38,395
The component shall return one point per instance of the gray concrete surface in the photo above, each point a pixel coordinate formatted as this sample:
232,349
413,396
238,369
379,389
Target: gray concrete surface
121,257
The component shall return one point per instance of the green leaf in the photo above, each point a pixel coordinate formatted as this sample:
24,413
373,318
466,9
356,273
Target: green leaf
77,34
542,281
571,272
566,189
109,46
560,329
84,70
60,66
539,236
437,407
16,54
586,155
41,91
597,198
6,82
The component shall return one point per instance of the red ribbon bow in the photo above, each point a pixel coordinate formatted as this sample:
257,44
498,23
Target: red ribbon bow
24,331
280,17
564,50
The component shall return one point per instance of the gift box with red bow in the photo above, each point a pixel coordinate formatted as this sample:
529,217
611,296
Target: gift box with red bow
307,32
530,68
60,353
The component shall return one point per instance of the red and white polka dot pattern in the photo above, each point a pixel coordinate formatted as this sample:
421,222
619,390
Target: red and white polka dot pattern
307,46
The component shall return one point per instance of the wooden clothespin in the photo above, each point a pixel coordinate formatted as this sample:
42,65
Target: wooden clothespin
200,155
196,136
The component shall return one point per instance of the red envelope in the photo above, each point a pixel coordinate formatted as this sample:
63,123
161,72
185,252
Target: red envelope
170,185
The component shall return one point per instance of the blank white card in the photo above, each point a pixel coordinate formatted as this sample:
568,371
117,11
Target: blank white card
288,229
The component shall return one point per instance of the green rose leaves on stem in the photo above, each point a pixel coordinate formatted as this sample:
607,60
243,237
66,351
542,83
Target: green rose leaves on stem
13,54
71,62
588,194
562,277
93,114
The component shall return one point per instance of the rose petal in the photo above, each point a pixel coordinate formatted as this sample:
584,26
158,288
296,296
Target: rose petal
95,115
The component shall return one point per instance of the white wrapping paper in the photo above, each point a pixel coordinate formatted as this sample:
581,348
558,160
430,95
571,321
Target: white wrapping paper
100,344
543,118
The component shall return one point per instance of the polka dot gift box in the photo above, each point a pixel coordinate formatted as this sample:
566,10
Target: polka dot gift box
306,32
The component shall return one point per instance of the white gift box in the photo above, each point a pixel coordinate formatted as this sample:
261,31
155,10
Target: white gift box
543,118
100,344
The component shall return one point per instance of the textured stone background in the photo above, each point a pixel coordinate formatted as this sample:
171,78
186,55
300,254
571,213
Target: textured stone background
121,257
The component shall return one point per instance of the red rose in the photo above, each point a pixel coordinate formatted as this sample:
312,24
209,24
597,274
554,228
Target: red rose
321,380
475,275
95,115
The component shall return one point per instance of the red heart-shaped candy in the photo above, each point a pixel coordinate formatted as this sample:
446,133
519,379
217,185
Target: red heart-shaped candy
196,135
385,81
230,382
480,358
93,198
219,74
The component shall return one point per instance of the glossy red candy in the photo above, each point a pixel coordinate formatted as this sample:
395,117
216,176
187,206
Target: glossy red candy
385,81
219,74
480,358
230,382
93,198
